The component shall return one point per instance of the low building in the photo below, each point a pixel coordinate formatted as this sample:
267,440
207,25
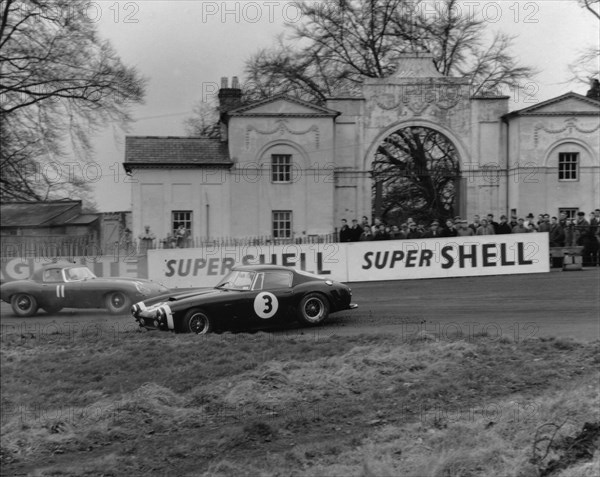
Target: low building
47,229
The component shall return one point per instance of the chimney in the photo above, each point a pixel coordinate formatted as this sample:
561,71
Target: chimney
229,98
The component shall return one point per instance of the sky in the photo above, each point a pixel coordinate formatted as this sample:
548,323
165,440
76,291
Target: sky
183,48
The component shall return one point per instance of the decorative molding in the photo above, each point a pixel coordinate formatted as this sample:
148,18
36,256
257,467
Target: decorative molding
282,128
570,124
418,100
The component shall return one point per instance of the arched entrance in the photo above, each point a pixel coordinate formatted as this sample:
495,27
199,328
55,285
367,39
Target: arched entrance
415,173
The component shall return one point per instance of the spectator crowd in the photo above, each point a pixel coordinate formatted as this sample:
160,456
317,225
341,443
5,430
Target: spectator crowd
562,231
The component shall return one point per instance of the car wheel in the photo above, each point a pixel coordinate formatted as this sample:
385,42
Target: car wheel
52,309
314,309
196,321
24,304
117,303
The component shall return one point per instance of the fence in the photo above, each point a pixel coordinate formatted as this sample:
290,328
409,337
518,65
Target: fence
27,246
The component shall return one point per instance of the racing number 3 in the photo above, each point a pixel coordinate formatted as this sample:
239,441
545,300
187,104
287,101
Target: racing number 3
265,305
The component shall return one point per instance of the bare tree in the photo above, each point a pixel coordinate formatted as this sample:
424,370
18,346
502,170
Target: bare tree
203,122
60,83
586,66
341,42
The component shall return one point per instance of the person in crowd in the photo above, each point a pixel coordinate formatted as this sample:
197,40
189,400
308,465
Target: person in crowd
146,239
531,228
366,234
375,227
365,222
463,229
403,230
595,236
413,233
434,230
544,224
181,235
563,220
485,228
503,227
520,227
557,234
529,219
475,224
380,233
539,221
513,222
355,231
585,237
169,241
450,229
345,232
492,222
570,235
395,233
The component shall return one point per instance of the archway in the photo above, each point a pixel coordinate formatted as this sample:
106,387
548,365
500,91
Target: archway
415,173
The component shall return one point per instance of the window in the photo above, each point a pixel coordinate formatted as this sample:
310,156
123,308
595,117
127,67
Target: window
282,223
568,166
281,168
272,280
570,212
182,217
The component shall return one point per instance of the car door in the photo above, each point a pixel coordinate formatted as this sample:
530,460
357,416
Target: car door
52,288
272,296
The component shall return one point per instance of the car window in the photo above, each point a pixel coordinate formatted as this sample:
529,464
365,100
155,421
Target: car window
258,281
277,280
77,274
53,275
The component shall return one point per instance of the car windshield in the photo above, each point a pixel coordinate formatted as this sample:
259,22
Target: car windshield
237,280
77,274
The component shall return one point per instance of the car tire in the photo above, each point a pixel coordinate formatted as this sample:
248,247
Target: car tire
52,309
117,303
313,309
196,321
24,304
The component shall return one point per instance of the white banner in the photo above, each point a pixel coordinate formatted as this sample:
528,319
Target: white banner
360,261
204,267
448,257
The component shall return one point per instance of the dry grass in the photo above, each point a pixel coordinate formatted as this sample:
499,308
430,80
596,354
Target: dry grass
156,403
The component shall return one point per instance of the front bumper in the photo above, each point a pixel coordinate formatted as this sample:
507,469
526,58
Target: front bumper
159,316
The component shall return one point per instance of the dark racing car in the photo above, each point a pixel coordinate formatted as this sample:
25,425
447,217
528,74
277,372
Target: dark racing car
258,294
56,286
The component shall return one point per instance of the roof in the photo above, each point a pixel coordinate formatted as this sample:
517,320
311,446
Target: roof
152,151
257,268
543,107
36,214
307,109
83,219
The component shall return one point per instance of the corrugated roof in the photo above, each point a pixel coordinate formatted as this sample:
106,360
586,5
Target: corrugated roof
35,214
154,150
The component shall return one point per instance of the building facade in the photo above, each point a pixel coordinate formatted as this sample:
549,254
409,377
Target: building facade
289,168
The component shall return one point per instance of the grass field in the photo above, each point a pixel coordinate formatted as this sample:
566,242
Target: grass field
143,403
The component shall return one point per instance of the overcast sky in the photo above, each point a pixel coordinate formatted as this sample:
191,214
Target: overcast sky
185,47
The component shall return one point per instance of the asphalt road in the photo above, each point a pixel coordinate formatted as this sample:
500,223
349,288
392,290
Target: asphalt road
561,304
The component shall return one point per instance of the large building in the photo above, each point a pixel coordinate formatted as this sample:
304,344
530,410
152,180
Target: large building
286,167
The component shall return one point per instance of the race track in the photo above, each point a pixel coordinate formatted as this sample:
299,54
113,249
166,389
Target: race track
561,304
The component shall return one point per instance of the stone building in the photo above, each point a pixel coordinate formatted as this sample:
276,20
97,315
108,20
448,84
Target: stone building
286,167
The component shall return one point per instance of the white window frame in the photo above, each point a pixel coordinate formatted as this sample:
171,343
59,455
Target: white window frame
279,219
188,222
281,168
568,166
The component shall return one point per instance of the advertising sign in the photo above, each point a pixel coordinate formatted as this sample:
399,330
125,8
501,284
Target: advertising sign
448,257
204,267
